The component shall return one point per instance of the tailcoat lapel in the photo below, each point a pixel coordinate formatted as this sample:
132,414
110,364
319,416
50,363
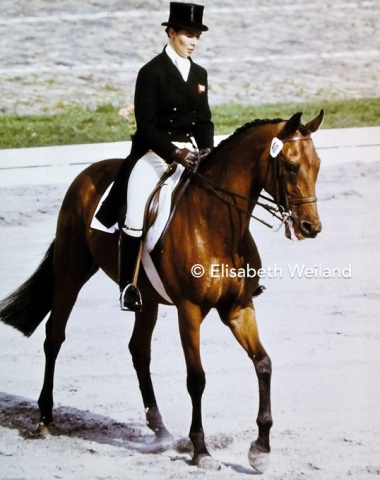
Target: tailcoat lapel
187,89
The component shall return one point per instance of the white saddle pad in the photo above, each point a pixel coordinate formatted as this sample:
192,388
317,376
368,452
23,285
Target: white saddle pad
154,232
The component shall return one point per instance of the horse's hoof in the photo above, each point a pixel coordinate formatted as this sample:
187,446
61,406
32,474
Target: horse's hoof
42,430
164,442
206,462
258,459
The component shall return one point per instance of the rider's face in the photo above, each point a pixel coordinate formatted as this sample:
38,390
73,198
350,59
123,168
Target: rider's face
184,41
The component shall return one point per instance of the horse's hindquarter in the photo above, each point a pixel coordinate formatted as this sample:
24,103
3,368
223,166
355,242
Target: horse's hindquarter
87,188
74,236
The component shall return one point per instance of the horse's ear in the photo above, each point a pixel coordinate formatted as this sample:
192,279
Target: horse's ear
291,126
313,125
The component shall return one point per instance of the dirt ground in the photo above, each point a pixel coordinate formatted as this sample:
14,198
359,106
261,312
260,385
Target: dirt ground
322,334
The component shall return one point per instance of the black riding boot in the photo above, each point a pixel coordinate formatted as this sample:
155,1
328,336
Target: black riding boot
130,297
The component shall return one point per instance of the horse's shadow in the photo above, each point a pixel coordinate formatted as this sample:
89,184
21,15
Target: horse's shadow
22,414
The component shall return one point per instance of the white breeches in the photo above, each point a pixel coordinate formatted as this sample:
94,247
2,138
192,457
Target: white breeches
143,179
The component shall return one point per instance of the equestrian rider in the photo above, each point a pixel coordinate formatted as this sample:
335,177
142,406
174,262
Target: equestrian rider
173,120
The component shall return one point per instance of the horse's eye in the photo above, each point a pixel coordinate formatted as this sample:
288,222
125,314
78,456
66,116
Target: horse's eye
291,168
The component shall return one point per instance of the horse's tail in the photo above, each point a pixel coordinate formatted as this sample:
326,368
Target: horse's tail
25,308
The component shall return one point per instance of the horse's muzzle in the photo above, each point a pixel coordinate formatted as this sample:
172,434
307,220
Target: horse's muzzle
302,229
309,229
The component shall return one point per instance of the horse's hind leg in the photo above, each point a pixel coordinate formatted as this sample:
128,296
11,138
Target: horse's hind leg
72,268
55,336
140,348
63,302
242,322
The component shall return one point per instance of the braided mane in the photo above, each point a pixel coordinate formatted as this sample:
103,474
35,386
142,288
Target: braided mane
243,128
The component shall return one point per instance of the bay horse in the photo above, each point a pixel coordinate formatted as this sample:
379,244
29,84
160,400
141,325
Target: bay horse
210,227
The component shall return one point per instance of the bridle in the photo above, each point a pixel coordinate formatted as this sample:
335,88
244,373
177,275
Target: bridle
283,199
278,207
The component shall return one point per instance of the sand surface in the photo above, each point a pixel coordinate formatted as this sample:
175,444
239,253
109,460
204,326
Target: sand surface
322,334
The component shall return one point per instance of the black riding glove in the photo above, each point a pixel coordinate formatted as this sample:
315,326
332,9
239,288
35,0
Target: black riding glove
185,157
205,152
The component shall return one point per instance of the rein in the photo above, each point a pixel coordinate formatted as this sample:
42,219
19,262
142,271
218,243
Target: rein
216,189
280,208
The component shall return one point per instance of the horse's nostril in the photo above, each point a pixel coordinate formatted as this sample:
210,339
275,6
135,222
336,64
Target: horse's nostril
308,229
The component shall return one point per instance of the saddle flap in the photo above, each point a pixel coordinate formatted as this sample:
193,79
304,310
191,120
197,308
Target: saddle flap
160,205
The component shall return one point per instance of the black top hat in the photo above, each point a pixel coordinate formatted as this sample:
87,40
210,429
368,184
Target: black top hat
187,16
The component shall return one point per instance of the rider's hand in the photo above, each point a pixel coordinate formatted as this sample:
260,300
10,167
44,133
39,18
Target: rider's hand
205,152
185,157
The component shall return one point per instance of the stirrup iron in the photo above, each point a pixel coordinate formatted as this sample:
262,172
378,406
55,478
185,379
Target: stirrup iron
134,302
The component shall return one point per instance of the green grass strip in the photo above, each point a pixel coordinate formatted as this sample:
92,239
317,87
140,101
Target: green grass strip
77,125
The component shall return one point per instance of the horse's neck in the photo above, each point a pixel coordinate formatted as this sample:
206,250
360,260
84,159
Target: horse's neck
241,164
237,167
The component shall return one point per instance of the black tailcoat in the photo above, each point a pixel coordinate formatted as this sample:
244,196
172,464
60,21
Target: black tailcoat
167,109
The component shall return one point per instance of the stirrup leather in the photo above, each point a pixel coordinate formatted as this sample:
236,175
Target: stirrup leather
130,299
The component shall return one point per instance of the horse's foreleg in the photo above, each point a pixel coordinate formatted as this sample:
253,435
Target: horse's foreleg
190,319
63,302
243,325
140,348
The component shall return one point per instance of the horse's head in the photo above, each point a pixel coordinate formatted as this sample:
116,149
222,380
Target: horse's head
296,166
